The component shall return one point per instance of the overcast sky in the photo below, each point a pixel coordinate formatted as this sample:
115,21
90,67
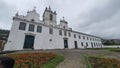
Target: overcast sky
96,17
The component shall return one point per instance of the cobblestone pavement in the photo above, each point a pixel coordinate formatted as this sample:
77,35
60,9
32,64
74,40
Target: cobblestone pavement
74,57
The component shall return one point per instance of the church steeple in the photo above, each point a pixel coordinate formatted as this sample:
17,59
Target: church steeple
17,14
34,8
63,21
49,7
49,16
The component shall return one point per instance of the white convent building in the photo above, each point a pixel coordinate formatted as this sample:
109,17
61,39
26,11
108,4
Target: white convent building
29,32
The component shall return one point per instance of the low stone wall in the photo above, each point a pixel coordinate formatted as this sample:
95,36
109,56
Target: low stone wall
111,46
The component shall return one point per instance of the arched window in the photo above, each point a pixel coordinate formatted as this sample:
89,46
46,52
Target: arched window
51,17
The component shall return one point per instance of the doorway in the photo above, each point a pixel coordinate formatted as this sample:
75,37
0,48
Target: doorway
65,43
29,42
92,44
75,42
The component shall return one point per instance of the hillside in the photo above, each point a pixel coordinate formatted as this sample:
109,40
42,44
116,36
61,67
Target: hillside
4,34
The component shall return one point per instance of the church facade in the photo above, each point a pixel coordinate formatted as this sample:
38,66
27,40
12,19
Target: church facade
29,32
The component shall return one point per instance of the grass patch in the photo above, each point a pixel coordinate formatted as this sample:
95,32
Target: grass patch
88,65
54,62
115,50
98,62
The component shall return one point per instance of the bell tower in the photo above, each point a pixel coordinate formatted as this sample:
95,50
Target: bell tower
49,17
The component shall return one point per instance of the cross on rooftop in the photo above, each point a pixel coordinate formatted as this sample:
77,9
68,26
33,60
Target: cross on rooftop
63,18
34,7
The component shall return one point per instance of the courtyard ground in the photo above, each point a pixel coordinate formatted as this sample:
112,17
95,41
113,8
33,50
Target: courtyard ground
74,58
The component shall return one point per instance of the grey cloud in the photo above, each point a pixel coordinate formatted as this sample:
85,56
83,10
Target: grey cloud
99,13
100,20
96,17
6,11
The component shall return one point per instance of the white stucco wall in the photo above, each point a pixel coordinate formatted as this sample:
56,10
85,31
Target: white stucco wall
42,40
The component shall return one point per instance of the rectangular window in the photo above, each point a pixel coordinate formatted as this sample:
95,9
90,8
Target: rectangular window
22,26
90,38
50,31
83,37
69,34
94,44
86,44
82,44
39,29
51,17
74,36
91,43
95,39
60,32
79,37
65,33
31,27
87,38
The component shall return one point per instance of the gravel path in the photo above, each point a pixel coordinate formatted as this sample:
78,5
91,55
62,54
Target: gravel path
73,59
